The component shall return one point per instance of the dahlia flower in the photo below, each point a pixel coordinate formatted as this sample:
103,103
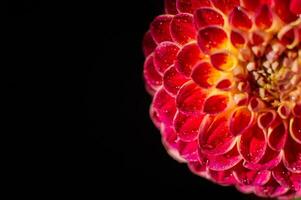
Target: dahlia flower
225,77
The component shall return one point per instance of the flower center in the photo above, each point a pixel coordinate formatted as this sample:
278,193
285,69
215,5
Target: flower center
275,69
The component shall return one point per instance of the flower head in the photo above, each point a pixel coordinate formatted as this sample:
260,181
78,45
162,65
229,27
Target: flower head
225,76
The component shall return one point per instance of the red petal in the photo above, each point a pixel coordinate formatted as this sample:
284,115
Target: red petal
297,110
216,104
173,80
224,84
187,126
295,7
165,55
295,129
160,28
182,28
222,177
225,161
292,156
270,160
287,178
251,4
187,57
189,6
170,7
152,78
223,61
149,44
226,5
215,137
207,16
266,118
252,144
164,105
277,134
240,19
188,150
205,75
197,167
264,18
191,98
271,189
282,8
237,39
212,38
245,176
257,39
241,119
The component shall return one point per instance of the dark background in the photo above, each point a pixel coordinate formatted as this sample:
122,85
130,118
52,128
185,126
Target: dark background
83,63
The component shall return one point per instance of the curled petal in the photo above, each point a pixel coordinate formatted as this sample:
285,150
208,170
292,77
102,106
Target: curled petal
216,104
277,134
245,176
252,144
287,178
152,78
223,61
187,126
207,16
240,19
160,28
182,28
295,129
269,160
266,118
225,161
173,80
225,5
292,156
189,6
205,75
240,120
170,7
165,106
212,38
215,137
222,177
165,55
149,44
187,57
264,18
190,98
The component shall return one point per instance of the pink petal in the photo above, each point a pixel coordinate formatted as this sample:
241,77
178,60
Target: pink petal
292,156
152,78
277,134
295,129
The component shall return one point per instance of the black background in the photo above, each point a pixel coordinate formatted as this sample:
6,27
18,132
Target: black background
84,83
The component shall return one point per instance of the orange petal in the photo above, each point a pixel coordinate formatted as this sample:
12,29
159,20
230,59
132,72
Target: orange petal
207,16
173,80
182,28
164,56
223,61
187,57
190,98
240,19
241,120
216,104
160,28
212,38
205,75
189,6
